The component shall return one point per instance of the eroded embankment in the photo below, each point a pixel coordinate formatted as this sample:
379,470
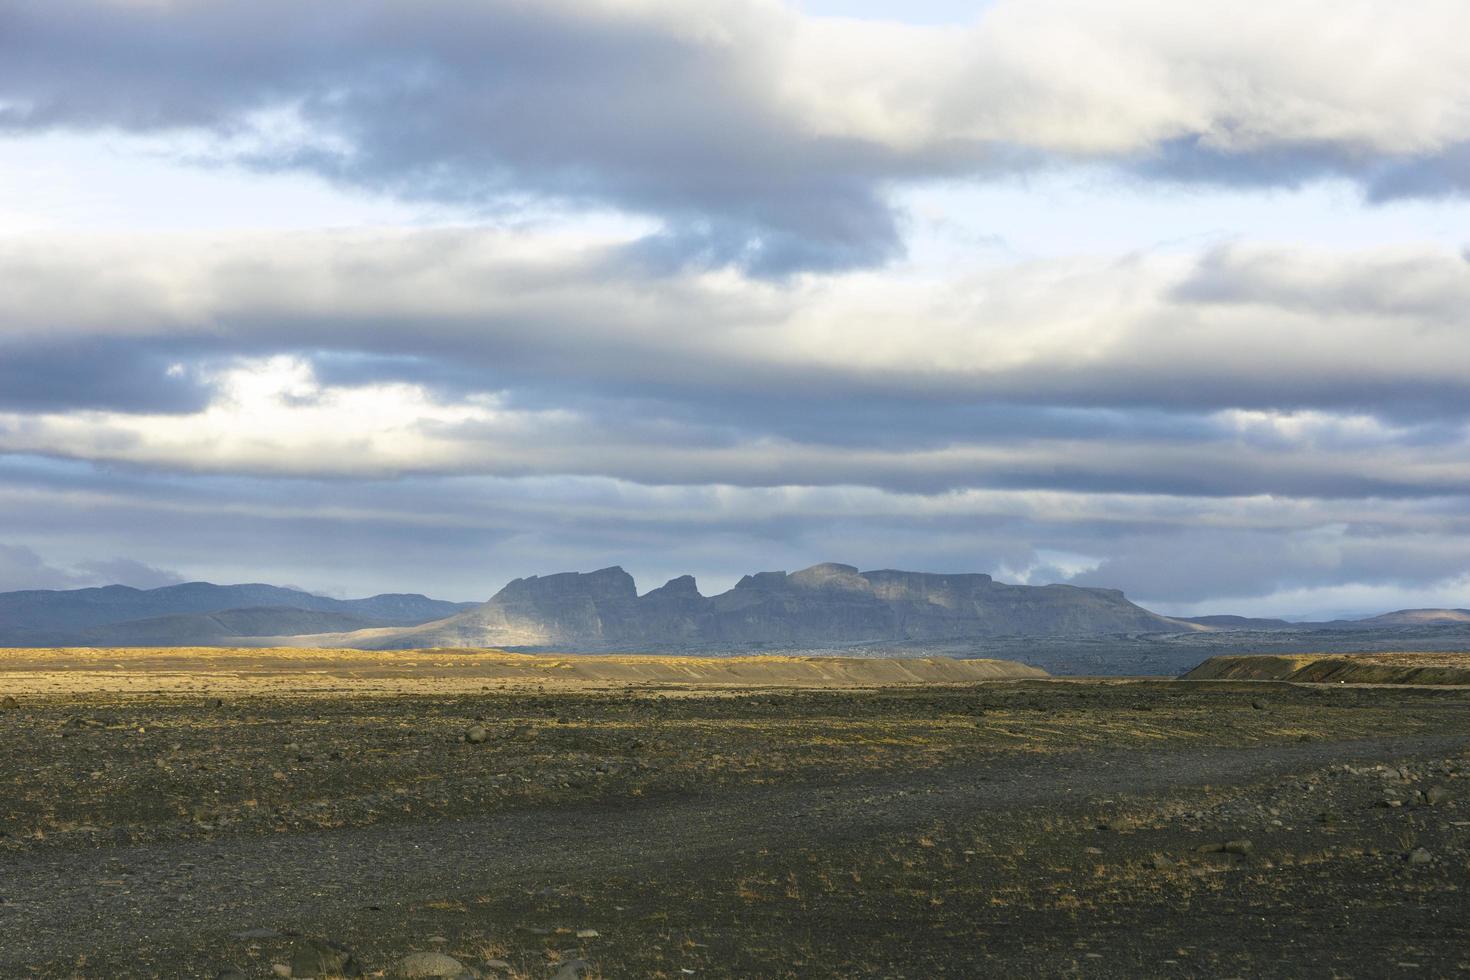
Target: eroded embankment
194,669
1368,668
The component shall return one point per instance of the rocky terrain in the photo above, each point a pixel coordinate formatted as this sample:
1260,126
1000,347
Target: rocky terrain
1011,828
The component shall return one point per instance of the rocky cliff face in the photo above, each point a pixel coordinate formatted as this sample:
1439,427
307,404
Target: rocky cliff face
827,604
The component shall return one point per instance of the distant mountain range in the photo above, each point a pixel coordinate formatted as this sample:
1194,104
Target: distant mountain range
197,614
1390,620
826,606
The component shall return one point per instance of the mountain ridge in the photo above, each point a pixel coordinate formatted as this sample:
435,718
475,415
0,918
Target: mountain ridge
828,605
825,604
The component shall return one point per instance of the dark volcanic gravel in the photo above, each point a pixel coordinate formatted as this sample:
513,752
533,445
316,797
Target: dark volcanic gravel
1006,830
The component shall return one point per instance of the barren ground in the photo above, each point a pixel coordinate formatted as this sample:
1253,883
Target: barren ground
1020,828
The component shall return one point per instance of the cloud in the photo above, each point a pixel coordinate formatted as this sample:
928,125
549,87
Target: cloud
756,134
463,537
22,567
103,373
1264,327
1244,370
747,378
1221,565
127,571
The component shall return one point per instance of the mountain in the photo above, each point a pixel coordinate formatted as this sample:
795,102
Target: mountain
825,605
1239,622
104,616
1407,617
1402,618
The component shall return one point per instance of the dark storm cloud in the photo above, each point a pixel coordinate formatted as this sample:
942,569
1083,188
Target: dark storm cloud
758,136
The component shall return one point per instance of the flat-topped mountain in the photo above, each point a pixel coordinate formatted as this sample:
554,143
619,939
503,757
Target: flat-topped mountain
825,605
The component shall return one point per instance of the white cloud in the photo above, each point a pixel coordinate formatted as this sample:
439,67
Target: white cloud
628,344
757,133
1277,379
1238,327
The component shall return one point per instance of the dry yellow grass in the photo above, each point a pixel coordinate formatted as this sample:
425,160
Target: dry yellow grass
191,670
1347,668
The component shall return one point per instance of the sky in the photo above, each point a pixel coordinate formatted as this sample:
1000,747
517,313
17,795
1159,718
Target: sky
387,296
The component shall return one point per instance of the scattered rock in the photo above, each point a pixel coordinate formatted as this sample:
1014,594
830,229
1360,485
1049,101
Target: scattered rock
429,965
1161,863
1435,795
476,734
1119,824
324,960
9,703
1258,704
572,970
280,969
1419,856
229,973
587,934
1241,847
497,964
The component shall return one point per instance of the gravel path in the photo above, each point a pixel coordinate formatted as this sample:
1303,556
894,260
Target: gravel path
64,904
